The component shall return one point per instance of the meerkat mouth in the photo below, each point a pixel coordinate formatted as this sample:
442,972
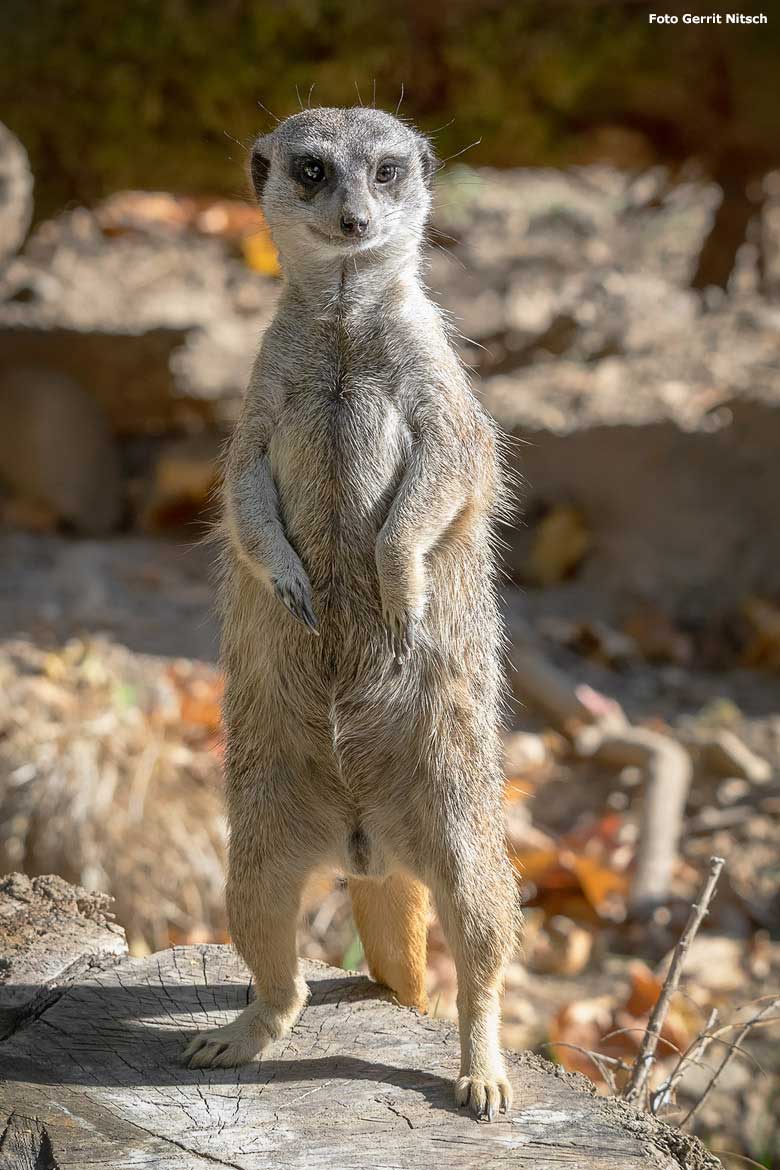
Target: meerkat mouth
344,243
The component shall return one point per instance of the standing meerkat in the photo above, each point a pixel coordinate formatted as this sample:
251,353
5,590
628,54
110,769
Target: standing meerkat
361,634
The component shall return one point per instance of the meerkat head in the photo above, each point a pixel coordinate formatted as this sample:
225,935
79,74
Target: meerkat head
334,182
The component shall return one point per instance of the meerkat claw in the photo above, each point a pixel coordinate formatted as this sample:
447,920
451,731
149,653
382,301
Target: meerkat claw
486,1096
309,619
400,636
298,606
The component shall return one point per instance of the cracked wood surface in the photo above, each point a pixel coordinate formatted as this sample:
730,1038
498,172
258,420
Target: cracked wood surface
95,1081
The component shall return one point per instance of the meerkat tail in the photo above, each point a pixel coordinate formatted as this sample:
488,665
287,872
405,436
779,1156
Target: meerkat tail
392,919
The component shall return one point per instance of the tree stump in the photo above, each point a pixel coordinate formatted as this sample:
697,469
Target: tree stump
92,1076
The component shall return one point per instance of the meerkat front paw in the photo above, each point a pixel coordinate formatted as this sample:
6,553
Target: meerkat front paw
402,588
294,592
486,1093
400,628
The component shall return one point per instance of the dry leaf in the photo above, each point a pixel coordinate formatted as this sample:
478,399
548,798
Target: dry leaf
260,253
645,989
605,890
657,637
764,647
144,211
561,947
518,788
581,1024
574,877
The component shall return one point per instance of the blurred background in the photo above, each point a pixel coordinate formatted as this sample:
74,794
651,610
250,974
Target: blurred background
607,237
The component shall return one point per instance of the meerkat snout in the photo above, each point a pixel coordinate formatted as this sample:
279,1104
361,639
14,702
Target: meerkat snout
352,225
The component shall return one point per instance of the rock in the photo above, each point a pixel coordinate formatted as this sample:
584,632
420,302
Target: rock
111,310
525,751
56,449
562,947
183,481
16,185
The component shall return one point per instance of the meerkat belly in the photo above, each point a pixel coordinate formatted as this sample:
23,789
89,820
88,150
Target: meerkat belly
337,459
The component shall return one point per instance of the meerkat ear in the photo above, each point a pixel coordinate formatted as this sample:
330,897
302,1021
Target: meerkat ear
428,159
260,163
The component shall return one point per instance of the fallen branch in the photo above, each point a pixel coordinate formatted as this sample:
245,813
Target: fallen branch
644,1061
538,682
724,754
597,729
668,771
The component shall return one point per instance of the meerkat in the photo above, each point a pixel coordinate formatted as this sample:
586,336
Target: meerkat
361,632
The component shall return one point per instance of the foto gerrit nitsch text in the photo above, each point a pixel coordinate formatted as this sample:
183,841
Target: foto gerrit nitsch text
711,18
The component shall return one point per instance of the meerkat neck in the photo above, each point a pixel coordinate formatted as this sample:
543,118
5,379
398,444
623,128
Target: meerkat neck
354,285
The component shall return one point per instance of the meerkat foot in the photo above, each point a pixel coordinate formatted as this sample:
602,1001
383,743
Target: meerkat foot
295,595
224,1047
243,1040
487,1094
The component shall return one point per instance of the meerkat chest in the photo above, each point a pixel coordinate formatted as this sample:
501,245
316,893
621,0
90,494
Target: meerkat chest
338,451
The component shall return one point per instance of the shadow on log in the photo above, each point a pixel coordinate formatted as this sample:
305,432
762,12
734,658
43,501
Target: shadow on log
91,1072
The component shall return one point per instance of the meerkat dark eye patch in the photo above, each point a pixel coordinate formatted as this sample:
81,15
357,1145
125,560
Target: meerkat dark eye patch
309,171
389,170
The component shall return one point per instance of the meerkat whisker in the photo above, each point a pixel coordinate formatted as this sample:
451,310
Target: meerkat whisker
400,100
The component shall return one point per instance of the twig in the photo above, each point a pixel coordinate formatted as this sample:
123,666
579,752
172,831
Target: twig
603,1063
664,1094
746,1027
629,1031
644,1061
734,1047
741,1157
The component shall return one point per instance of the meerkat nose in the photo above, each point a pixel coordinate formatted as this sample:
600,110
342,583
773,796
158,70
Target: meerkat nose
352,225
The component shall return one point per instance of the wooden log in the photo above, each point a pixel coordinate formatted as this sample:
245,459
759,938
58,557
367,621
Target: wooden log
50,934
94,1080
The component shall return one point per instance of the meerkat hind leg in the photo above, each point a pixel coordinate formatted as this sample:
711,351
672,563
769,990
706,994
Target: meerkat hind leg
476,913
263,901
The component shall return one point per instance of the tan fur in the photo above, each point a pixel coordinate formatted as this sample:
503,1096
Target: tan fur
392,918
361,633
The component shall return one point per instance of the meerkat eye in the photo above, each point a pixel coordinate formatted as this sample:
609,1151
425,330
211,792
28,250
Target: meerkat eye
312,171
386,172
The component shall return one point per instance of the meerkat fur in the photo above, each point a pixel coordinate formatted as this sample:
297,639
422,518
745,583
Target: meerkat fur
361,633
